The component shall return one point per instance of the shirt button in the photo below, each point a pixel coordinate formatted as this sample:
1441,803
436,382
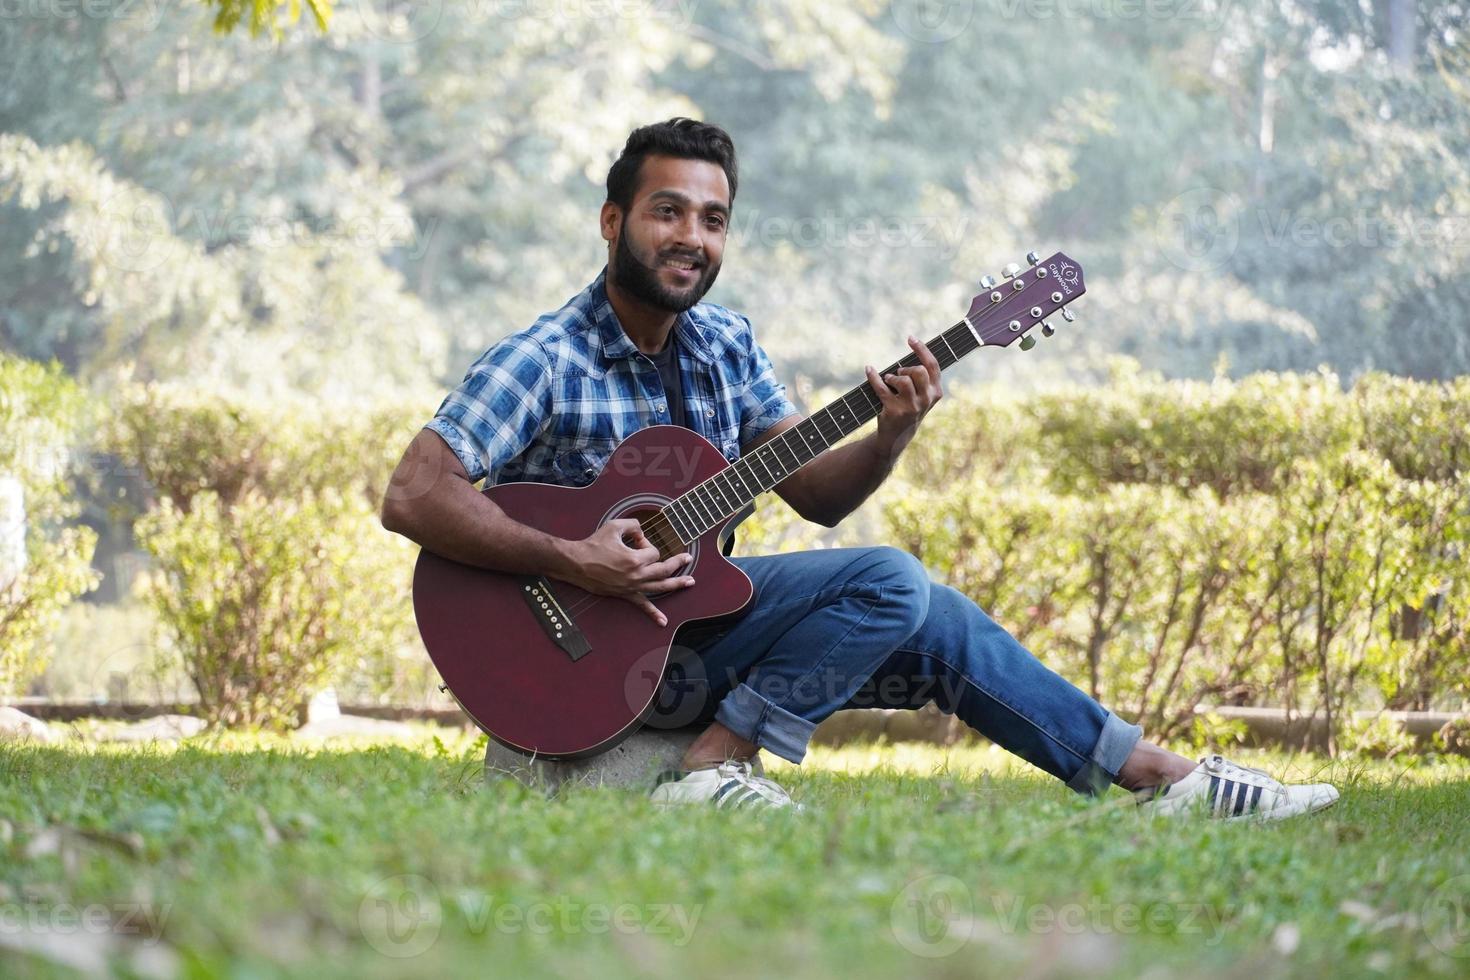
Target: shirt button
709,413
660,407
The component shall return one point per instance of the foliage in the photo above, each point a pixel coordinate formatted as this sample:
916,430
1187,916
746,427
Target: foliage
373,205
41,412
186,440
265,597
289,501
267,16
1170,545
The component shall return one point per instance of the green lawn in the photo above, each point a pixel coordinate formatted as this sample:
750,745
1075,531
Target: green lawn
251,857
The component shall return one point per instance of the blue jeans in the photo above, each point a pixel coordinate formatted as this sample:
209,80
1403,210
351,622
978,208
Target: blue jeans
866,628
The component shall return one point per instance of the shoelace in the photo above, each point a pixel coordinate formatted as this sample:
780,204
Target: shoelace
1219,765
741,770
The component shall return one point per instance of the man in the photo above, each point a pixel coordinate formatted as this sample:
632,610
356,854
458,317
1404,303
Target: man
827,629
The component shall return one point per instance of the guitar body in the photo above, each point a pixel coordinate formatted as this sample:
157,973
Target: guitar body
495,644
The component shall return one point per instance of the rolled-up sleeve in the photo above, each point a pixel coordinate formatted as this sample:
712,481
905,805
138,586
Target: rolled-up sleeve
499,408
763,400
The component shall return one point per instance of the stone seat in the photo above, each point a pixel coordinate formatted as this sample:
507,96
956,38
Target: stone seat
634,762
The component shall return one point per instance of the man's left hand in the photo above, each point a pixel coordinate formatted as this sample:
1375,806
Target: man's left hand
907,397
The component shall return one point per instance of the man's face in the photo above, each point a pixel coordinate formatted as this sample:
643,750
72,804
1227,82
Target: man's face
667,248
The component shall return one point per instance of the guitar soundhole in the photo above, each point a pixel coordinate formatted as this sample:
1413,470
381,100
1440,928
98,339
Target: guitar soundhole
644,508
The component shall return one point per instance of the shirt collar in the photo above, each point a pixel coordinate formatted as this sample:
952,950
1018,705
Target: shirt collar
613,339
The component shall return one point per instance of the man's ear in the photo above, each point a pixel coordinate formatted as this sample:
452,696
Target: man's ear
610,220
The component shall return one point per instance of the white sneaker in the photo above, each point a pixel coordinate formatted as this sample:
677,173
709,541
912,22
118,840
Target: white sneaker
1221,788
729,786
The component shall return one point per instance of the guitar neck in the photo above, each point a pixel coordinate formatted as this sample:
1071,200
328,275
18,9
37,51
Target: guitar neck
716,499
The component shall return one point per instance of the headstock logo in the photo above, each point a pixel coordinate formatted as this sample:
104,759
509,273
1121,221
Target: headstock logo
1064,274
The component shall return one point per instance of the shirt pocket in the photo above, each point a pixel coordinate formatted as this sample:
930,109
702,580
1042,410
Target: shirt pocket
579,466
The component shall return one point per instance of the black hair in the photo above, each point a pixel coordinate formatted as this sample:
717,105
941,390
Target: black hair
679,137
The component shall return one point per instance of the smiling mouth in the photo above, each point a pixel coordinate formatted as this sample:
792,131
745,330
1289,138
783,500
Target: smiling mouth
682,265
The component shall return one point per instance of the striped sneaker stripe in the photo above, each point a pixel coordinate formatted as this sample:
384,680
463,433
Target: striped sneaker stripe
1240,798
726,787
1214,791
1256,800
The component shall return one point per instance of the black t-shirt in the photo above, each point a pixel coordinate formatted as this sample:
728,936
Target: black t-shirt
667,362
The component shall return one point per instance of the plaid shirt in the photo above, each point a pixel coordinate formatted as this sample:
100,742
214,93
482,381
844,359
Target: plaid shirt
549,404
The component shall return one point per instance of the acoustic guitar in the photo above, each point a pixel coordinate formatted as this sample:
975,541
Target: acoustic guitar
551,670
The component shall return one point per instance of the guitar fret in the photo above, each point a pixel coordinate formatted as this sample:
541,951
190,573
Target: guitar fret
699,509
744,487
763,464
670,514
711,503
714,483
691,519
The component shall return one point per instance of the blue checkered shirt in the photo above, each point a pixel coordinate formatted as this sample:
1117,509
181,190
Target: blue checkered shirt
550,403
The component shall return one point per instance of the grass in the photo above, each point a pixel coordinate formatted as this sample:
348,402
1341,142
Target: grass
253,856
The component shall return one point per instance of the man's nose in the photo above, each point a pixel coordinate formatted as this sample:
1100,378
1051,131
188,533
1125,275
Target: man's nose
687,233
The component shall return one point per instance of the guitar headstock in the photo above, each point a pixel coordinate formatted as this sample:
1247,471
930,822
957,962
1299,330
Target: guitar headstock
1006,311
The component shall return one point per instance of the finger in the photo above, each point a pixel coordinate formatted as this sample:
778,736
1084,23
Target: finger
663,569
904,387
665,585
628,530
920,379
643,602
927,358
884,392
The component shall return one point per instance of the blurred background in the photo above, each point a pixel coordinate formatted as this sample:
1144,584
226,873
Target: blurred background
242,258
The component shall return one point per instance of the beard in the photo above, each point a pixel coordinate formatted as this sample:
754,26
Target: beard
641,281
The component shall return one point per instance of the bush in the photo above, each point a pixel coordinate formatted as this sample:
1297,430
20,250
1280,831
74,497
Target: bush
1171,545
1167,546
184,442
265,598
43,566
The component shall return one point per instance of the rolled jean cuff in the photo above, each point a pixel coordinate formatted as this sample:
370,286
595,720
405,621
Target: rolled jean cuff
1113,747
757,720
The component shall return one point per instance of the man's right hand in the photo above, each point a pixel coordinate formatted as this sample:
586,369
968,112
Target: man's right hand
618,560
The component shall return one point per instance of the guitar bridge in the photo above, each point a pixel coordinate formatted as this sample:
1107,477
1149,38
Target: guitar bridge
548,612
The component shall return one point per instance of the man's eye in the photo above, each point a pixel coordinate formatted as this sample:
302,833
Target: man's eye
665,209
715,221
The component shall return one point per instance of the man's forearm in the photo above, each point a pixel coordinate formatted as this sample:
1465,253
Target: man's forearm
840,480
466,526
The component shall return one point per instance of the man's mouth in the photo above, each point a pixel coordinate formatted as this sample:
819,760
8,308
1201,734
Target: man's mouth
683,265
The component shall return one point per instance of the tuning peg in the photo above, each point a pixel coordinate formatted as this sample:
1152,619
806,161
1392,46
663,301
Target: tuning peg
1032,258
1028,342
1011,270
1068,315
1047,329
988,282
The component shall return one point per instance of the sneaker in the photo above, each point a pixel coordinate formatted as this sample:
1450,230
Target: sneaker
729,786
1221,788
